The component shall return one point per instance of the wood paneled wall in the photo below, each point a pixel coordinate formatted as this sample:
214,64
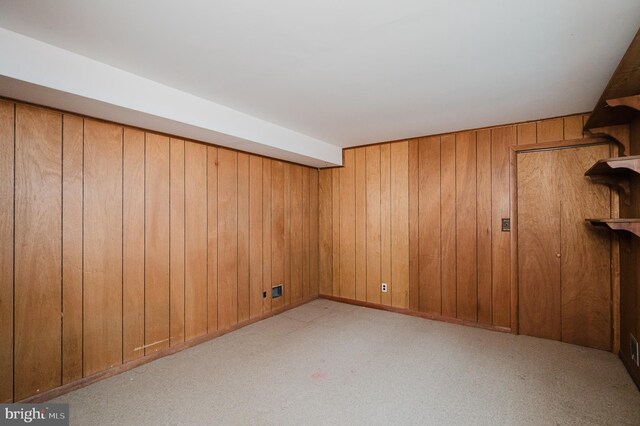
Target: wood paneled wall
630,267
117,244
424,216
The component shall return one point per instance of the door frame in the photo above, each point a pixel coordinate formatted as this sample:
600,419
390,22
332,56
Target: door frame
615,212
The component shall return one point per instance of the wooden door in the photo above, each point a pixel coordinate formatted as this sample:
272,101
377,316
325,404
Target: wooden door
539,245
564,279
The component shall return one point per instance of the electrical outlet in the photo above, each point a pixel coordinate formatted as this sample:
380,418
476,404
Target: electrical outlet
384,287
635,355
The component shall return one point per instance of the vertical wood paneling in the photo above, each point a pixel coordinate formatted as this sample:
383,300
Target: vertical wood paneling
573,127
287,234
277,229
347,227
227,238
335,220
38,250
484,225
400,224
255,236
243,237
306,239
313,233
195,240
266,232
156,286
550,130
360,225
6,249
385,222
325,219
177,231
373,223
296,241
132,245
501,140
429,226
466,238
102,299
527,133
212,243
448,224
414,228
72,147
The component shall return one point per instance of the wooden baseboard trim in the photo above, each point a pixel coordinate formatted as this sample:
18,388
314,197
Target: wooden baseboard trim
631,369
86,381
416,314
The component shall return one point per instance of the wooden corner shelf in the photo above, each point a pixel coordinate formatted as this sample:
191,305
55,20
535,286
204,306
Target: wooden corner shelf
631,225
615,172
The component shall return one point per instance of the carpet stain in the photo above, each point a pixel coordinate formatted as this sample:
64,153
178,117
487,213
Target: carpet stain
318,375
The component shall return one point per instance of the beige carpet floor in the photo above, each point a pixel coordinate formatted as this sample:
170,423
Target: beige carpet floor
331,363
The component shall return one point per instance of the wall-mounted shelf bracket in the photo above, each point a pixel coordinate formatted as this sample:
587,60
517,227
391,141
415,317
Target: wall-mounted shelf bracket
626,224
632,101
615,172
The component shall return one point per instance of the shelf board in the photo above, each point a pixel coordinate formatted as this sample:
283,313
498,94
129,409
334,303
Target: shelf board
631,225
619,166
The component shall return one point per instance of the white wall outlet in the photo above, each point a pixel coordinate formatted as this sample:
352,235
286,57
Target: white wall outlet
635,355
384,287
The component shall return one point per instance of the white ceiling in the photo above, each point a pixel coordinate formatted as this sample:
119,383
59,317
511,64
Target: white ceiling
351,72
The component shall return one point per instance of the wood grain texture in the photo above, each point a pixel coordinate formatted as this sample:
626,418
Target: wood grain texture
157,211
266,232
38,250
466,227
72,170
385,222
502,138
414,229
573,127
277,229
586,255
527,133
550,130
360,194
7,139
243,237
227,238
539,245
306,243
176,239
296,233
347,227
325,220
195,240
255,237
373,223
286,292
448,224
102,298
430,299
335,220
483,197
212,241
400,225
132,244
314,212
